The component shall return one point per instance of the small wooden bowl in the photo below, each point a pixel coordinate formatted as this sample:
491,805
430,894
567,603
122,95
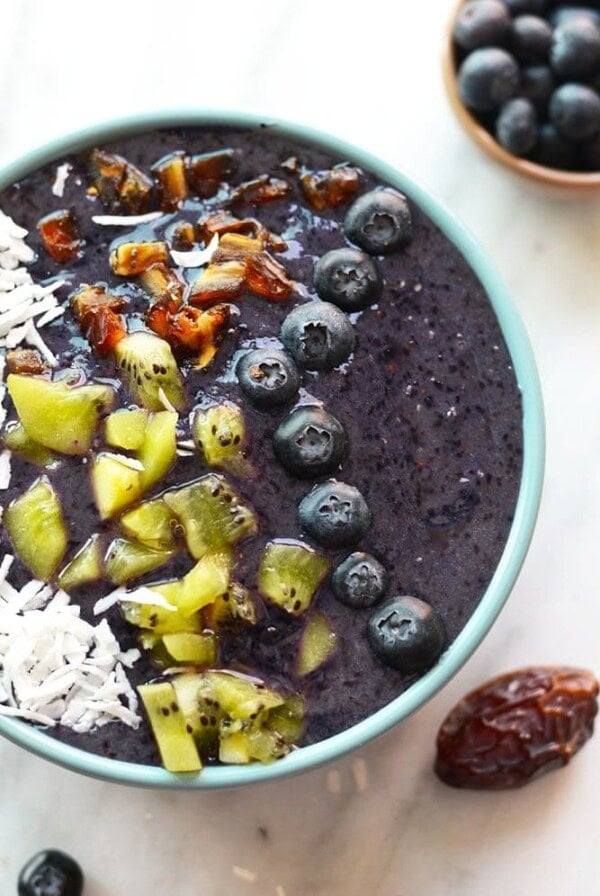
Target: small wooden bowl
574,180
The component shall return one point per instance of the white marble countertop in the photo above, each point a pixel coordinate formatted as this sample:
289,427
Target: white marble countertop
373,77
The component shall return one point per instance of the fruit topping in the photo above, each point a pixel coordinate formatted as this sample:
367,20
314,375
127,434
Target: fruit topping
182,236
116,482
316,645
120,185
328,189
25,360
16,439
266,277
407,634
515,728
35,526
126,560
206,171
233,606
348,278
359,581
531,38
159,448
191,648
86,566
190,331
50,873
575,111
220,433
60,235
125,428
170,178
482,23
97,311
130,259
260,190
516,126
157,619
87,299
150,371
334,514
289,575
58,416
176,745
153,524
537,86
575,53
219,281
379,221
310,442
487,78
554,151
200,587
211,513
268,377
163,283
223,222
318,335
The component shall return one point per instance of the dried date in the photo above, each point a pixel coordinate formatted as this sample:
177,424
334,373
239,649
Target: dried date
517,727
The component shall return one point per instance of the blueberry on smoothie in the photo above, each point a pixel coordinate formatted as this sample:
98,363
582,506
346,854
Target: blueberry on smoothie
482,23
348,278
487,78
575,52
359,581
318,335
309,442
267,377
335,514
407,634
516,126
379,221
575,111
50,873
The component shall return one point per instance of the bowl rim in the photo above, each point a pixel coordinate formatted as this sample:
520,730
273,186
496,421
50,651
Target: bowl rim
556,177
513,555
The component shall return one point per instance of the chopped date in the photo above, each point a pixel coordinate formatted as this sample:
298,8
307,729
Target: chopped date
260,190
267,278
25,360
88,298
207,170
103,329
455,511
517,727
162,282
222,222
130,259
121,186
326,189
170,178
60,236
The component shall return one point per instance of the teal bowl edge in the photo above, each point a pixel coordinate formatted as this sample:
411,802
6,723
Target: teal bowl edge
521,532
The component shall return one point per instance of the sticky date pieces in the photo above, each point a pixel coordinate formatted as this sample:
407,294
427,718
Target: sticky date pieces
517,727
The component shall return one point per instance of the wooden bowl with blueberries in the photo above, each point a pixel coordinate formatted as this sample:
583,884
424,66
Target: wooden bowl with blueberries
523,77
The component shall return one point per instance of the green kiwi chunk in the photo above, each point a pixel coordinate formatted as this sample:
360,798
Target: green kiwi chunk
205,581
220,433
126,560
211,513
317,643
148,366
86,566
176,744
36,527
17,440
159,447
290,574
116,482
151,523
158,620
125,428
192,648
234,605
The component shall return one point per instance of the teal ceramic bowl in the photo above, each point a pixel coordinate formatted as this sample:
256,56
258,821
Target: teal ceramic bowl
496,594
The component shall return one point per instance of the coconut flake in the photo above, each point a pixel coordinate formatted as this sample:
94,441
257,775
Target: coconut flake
62,173
4,470
197,257
165,401
141,595
126,220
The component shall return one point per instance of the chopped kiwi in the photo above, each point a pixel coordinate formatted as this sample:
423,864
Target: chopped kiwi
238,747
175,743
148,366
290,574
117,482
192,648
317,643
288,719
234,605
86,566
151,523
58,416
125,428
126,560
159,447
17,440
202,719
200,586
220,434
211,513
158,620
238,696
35,525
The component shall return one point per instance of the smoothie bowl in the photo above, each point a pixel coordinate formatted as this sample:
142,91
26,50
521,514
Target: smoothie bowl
272,449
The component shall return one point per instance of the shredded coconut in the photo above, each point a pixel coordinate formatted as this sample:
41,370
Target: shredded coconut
126,220
62,173
197,257
165,401
140,595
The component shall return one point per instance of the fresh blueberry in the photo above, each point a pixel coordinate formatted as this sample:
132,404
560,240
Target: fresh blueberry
516,126
487,78
575,111
518,7
590,154
50,873
318,335
267,376
406,634
309,442
379,221
348,278
530,39
537,85
359,581
575,52
564,13
482,23
554,151
335,514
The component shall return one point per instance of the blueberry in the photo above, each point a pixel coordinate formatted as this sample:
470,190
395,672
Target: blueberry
359,581
554,151
348,278
309,442
318,335
267,376
334,514
518,7
564,13
537,85
516,126
482,23
531,39
50,873
575,111
406,634
379,221
575,52
487,78
590,154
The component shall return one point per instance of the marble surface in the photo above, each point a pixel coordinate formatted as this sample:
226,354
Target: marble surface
373,77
